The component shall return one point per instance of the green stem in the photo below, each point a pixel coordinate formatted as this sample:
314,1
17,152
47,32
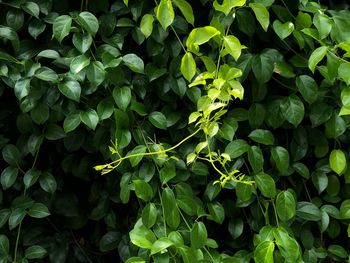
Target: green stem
275,212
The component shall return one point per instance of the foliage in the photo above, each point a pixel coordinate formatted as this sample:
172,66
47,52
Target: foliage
222,134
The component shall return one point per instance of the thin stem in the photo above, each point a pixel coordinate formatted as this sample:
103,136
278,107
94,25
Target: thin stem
17,242
275,212
178,38
80,248
288,9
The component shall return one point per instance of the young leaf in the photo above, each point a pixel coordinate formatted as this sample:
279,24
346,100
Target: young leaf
316,56
201,35
337,161
61,27
188,66
186,10
142,237
263,253
146,25
160,245
323,24
165,13
261,14
227,5
233,46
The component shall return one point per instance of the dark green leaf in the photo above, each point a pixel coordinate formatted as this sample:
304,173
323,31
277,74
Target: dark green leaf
198,235
35,252
262,136
266,184
38,210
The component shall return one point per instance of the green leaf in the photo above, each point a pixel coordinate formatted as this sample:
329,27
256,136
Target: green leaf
11,154
316,56
96,73
287,245
283,30
186,10
308,211
263,253
134,63
8,177
233,46
10,34
261,14
22,88
61,27
16,217
35,252
48,182
161,245
31,8
30,177
89,22
71,122
4,216
167,173
344,72
122,97
236,148
337,161
262,136
198,235
227,5
38,210
345,209
216,212
139,151
307,87
82,42
323,24
262,67
135,259
292,108
171,213
281,157
256,158
105,109
143,190
146,25
15,18
165,13
79,63
89,118
236,227
142,237
345,97
109,241
149,215
335,127
4,246
188,66
266,184
285,205
158,120
338,251
36,27
46,74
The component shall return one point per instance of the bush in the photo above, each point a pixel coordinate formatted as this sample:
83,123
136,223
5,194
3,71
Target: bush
220,128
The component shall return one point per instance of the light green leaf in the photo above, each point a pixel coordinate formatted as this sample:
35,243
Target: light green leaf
61,27
285,205
134,63
337,161
186,10
266,184
198,235
283,30
158,120
188,66
227,5
201,35
31,8
263,253
165,13
71,89
149,215
233,46
10,34
323,24
345,209
261,14
38,210
281,157
89,118
146,25
89,22
142,237
316,56
161,245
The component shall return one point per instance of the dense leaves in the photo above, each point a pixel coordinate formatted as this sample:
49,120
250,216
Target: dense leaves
220,128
